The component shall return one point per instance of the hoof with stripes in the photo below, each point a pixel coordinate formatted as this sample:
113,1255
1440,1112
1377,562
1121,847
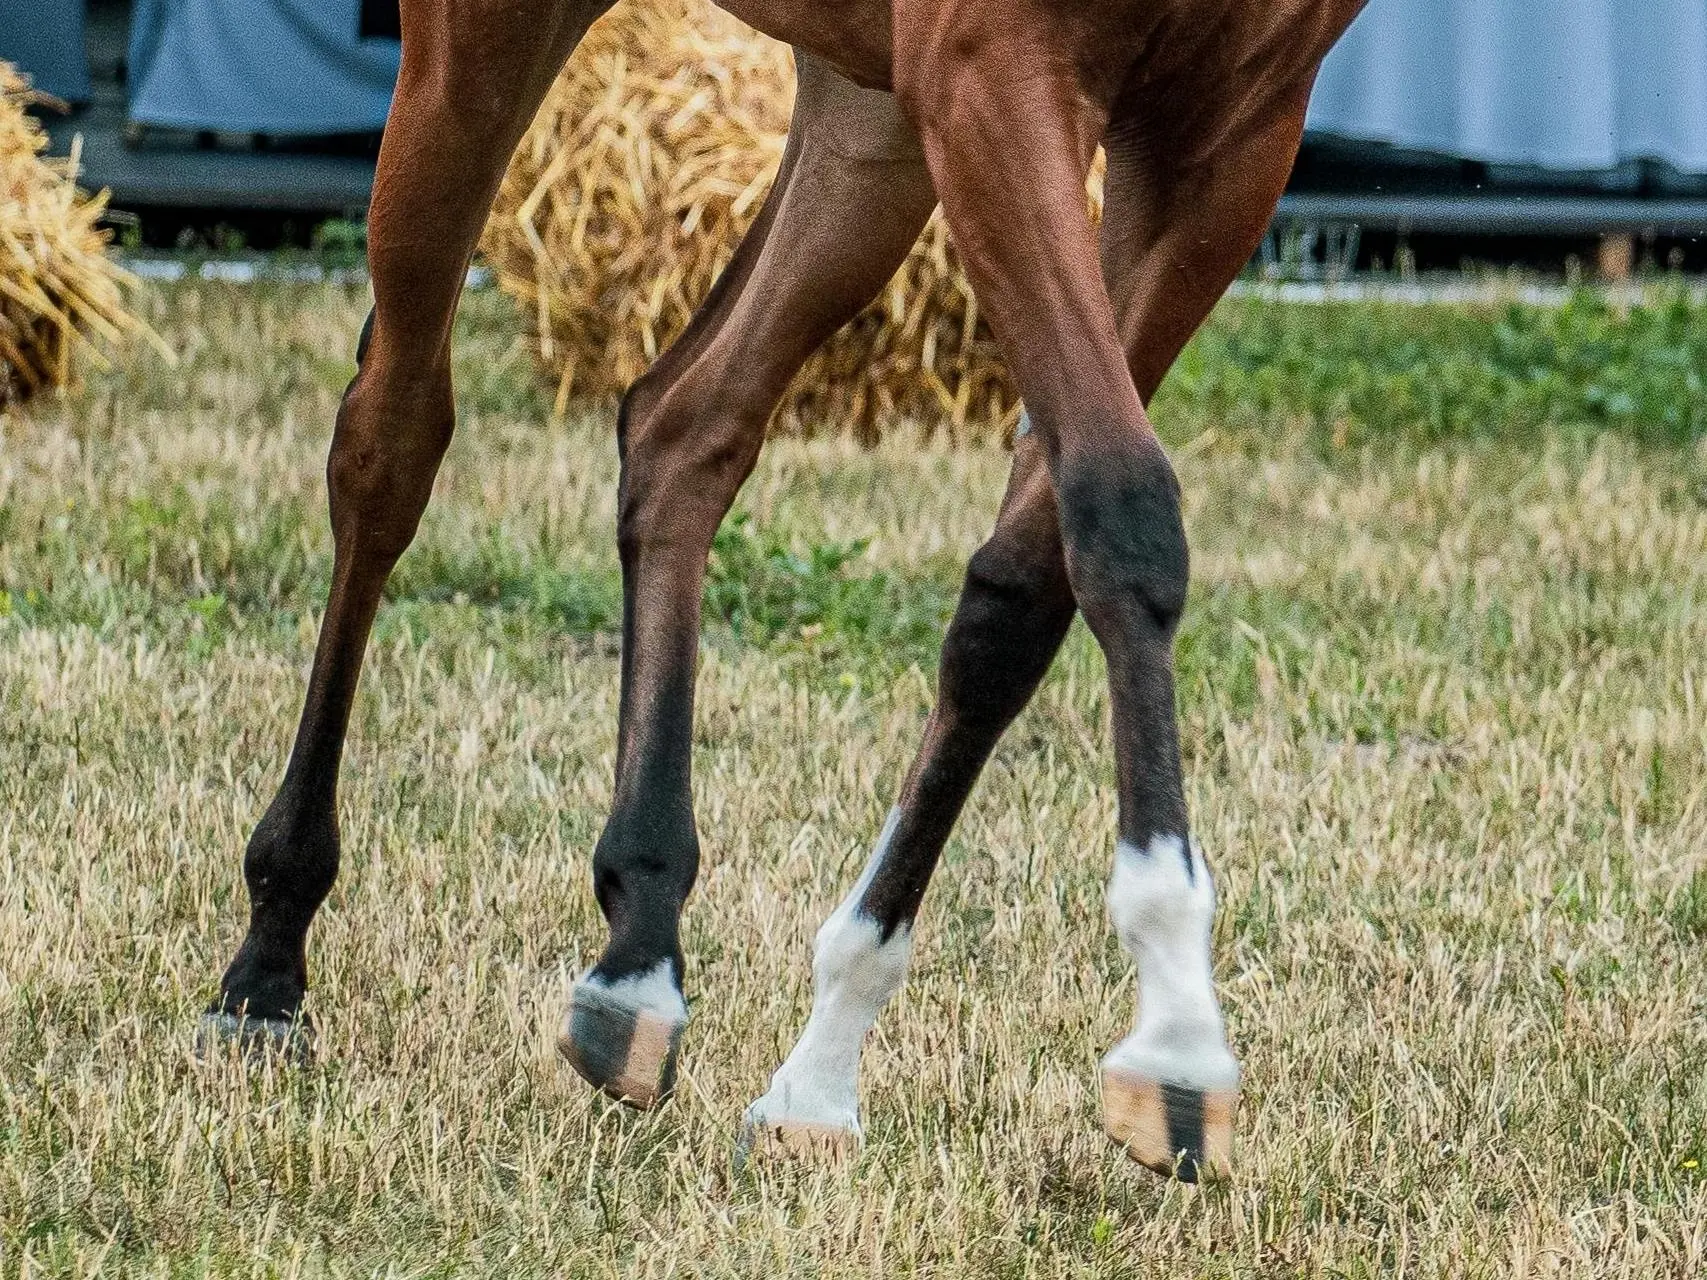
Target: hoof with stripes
629,1053
289,1040
795,1140
1177,1130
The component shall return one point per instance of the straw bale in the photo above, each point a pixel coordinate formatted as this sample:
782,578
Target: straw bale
649,159
60,294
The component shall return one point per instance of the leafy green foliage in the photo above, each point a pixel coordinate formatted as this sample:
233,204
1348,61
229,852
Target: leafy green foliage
1362,370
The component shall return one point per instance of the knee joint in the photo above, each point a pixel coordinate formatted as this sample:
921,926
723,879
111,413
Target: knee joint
1120,518
386,450
1009,579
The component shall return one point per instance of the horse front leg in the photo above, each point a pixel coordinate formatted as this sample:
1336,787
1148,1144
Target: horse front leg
446,145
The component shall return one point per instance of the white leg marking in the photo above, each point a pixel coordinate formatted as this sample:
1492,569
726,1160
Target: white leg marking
854,973
1162,914
651,992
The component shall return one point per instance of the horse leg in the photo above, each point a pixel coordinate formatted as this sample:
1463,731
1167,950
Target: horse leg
1010,163
450,135
1165,275
1015,608
849,201
1181,220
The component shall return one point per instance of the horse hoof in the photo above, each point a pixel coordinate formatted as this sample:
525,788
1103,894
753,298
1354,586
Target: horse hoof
795,1140
289,1040
629,1053
1176,1130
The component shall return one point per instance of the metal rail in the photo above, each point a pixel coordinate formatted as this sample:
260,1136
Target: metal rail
1502,213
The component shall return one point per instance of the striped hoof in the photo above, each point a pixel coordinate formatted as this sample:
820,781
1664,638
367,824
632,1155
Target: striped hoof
1176,1130
628,1052
795,1140
289,1040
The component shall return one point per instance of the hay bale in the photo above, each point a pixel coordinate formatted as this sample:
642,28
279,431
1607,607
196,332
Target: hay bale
648,160
58,288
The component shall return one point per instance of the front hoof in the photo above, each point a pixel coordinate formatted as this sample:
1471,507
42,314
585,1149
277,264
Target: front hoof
1176,1130
795,1140
628,1052
288,1040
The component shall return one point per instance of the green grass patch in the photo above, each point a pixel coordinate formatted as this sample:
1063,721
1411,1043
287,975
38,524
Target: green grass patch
1362,371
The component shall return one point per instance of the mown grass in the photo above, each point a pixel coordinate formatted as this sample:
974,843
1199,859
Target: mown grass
1442,699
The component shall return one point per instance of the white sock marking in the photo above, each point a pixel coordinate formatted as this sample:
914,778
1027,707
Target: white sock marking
1163,916
854,974
651,992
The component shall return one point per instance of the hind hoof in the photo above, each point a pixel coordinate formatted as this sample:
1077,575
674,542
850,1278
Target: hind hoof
1176,1130
289,1040
628,1053
795,1140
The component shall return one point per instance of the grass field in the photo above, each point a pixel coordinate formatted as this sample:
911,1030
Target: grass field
1444,702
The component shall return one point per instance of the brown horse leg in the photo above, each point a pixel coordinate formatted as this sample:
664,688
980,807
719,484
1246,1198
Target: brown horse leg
1018,216
1165,274
1181,220
445,148
1018,599
1014,609
850,199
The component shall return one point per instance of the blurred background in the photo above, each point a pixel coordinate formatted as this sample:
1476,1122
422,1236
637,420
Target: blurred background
1546,133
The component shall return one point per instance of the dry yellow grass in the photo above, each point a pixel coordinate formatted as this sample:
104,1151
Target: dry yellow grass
59,293
1446,743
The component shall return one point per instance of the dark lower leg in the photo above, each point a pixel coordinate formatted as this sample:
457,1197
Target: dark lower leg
1179,226
1123,546
385,452
1168,1088
847,206
444,152
648,854
647,857
1014,611
850,200
626,1015
1180,222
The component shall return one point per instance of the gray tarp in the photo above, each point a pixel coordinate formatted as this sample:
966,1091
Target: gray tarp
258,66
45,39
1562,84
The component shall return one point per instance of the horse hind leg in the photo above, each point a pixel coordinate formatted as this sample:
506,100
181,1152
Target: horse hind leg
848,203
1010,159
1015,609
1180,223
